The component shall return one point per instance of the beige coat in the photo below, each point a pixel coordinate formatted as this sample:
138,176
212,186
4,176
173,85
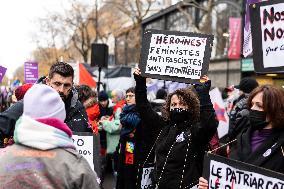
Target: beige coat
28,168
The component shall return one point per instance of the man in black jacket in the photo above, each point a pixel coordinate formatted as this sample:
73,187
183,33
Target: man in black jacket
60,78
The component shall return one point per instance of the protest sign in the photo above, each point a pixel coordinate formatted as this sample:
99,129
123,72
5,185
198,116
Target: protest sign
88,146
176,56
267,24
230,174
31,72
2,72
221,113
147,176
247,41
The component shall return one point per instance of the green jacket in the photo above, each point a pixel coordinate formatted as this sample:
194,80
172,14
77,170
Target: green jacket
112,128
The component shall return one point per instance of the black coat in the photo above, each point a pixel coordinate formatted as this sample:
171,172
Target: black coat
8,120
238,117
269,155
192,148
76,116
128,173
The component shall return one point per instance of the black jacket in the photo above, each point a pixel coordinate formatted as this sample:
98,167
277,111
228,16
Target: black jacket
76,117
238,116
183,155
142,140
157,105
8,120
269,155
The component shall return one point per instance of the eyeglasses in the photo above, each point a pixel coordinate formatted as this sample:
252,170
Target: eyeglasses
130,96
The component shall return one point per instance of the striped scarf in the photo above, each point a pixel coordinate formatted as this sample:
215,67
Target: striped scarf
43,134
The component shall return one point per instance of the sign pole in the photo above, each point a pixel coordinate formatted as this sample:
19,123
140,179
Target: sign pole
99,80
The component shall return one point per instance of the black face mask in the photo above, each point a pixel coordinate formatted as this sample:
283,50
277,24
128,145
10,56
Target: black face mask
178,115
257,119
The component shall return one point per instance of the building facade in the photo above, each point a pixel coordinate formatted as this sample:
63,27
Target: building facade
209,19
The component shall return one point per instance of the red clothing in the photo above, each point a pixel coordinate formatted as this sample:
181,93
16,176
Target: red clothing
119,104
93,113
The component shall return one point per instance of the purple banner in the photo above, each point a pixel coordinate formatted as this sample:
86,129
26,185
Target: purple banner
247,43
31,72
2,72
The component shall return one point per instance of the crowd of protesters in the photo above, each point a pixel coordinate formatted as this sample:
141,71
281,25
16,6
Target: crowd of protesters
171,133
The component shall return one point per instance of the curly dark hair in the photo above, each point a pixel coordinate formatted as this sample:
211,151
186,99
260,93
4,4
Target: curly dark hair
188,97
273,103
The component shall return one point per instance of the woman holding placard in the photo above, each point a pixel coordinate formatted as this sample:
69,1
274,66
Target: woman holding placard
180,136
262,142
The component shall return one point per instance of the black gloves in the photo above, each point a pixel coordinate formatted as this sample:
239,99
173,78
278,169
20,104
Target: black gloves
140,80
203,92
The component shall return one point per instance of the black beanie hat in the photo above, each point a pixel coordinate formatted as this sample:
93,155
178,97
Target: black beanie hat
247,84
102,96
161,94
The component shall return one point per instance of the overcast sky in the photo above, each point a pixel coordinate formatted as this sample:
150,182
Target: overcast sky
17,19
17,23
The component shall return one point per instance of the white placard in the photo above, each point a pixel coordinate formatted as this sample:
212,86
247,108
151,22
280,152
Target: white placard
146,180
272,30
180,56
84,145
221,114
227,177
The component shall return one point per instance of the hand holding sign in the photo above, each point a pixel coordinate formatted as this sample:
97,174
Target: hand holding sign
137,71
203,89
138,78
203,183
204,79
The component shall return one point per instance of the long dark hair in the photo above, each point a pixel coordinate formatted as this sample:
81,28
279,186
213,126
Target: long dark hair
273,103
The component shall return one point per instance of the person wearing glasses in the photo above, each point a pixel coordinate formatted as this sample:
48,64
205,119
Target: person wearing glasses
129,144
60,78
